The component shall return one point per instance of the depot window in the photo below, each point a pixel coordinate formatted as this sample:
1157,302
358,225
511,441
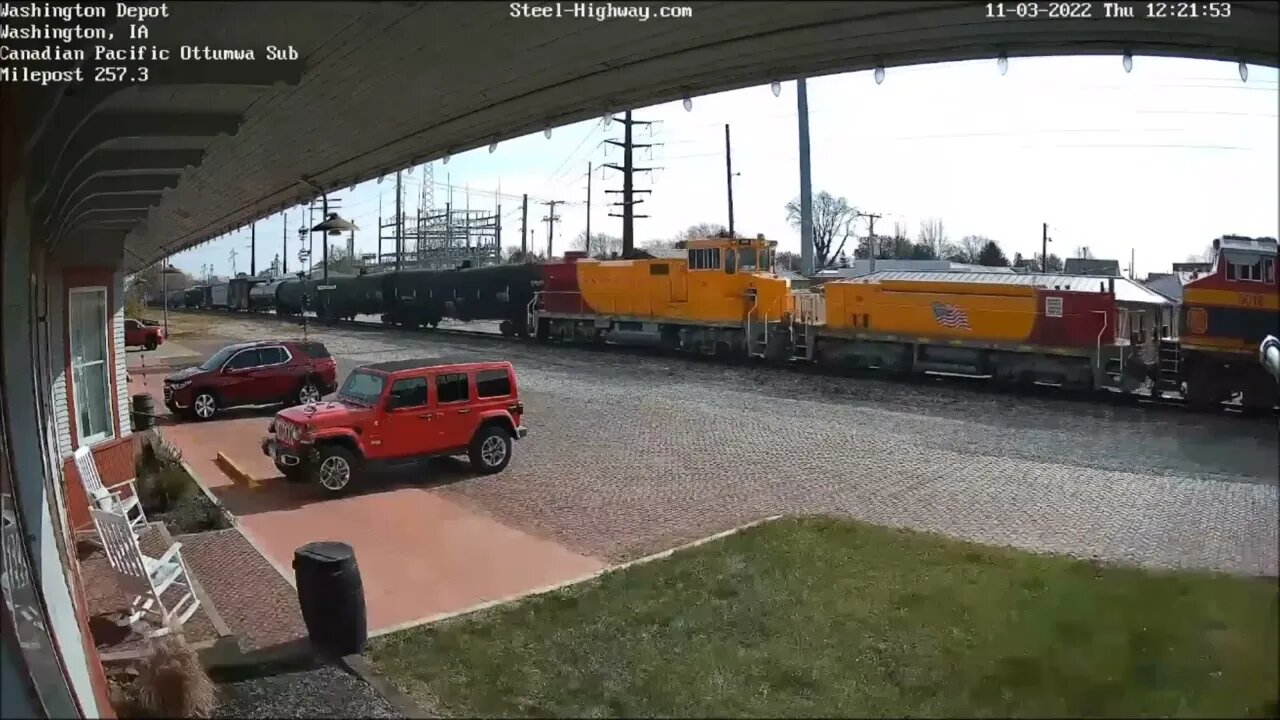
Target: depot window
704,259
452,388
90,369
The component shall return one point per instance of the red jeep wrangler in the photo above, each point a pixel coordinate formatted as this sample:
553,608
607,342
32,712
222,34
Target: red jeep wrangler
138,333
396,413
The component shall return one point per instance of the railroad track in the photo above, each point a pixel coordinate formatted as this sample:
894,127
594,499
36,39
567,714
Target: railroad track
1108,397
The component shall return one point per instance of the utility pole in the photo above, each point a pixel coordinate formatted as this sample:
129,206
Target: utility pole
806,181
728,175
586,245
1044,248
253,249
628,170
551,219
524,225
871,239
284,256
399,219
378,263
1132,254
233,262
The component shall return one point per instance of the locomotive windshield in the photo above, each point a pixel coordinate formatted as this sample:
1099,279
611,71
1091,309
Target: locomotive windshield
747,260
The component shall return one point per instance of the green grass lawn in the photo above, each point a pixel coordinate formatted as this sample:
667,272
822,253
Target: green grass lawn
833,618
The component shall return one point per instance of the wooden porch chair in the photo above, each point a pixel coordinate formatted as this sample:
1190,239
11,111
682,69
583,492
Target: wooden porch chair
148,578
113,498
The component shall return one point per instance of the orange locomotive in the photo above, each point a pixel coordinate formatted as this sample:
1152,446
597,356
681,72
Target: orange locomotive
1015,328
1225,315
716,296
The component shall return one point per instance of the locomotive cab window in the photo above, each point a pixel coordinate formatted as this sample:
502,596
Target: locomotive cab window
748,259
1262,270
704,259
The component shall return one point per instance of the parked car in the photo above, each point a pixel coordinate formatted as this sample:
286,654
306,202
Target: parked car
255,373
141,333
398,413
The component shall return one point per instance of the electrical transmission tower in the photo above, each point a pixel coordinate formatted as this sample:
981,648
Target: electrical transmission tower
628,191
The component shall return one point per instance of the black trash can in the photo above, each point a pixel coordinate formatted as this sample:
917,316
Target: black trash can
144,410
331,596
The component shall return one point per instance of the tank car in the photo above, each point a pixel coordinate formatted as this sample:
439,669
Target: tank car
262,297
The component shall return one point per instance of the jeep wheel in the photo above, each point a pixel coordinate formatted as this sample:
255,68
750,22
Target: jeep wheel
204,406
308,393
490,450
335,469
151,344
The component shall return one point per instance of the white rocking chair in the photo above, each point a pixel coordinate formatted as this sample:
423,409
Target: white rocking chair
149,578
110,499
15,580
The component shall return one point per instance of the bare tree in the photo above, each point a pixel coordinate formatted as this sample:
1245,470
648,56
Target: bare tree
934,237
339,260
788,260
658,244
603,246
969,249
832,221
1084,253
700,231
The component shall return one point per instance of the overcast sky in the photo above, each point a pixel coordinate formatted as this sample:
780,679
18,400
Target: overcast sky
1158,162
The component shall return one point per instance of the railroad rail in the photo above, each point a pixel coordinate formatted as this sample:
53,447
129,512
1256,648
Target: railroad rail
1108,396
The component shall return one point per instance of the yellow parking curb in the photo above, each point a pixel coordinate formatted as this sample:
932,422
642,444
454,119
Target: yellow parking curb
234,472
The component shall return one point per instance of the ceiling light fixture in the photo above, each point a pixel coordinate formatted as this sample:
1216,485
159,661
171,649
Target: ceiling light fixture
1003,63
688,105
776,87
1127,61
879,74
1244,72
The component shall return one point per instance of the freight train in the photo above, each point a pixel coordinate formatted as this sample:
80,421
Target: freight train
722,297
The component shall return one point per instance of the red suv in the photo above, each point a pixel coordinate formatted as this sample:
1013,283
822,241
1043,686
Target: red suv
396,413
256,373
137,332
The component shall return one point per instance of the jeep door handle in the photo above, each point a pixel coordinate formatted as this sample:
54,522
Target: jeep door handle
426,416
464,411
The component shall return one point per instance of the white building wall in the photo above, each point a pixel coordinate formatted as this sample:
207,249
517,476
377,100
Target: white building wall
39,504
122,384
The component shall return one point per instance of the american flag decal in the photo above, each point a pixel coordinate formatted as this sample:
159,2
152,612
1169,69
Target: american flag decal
950,316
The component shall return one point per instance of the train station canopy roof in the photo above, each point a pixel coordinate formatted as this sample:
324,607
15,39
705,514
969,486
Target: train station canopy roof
338,92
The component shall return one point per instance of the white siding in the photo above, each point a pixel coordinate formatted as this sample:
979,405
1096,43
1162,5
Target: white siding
122,383
57,369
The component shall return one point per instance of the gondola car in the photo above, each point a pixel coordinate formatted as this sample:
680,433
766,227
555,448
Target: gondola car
424,297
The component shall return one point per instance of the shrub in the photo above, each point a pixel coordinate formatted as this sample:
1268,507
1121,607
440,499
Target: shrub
171,683
197,513
163,489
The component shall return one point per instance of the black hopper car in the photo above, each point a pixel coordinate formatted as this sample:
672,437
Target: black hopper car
409,298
